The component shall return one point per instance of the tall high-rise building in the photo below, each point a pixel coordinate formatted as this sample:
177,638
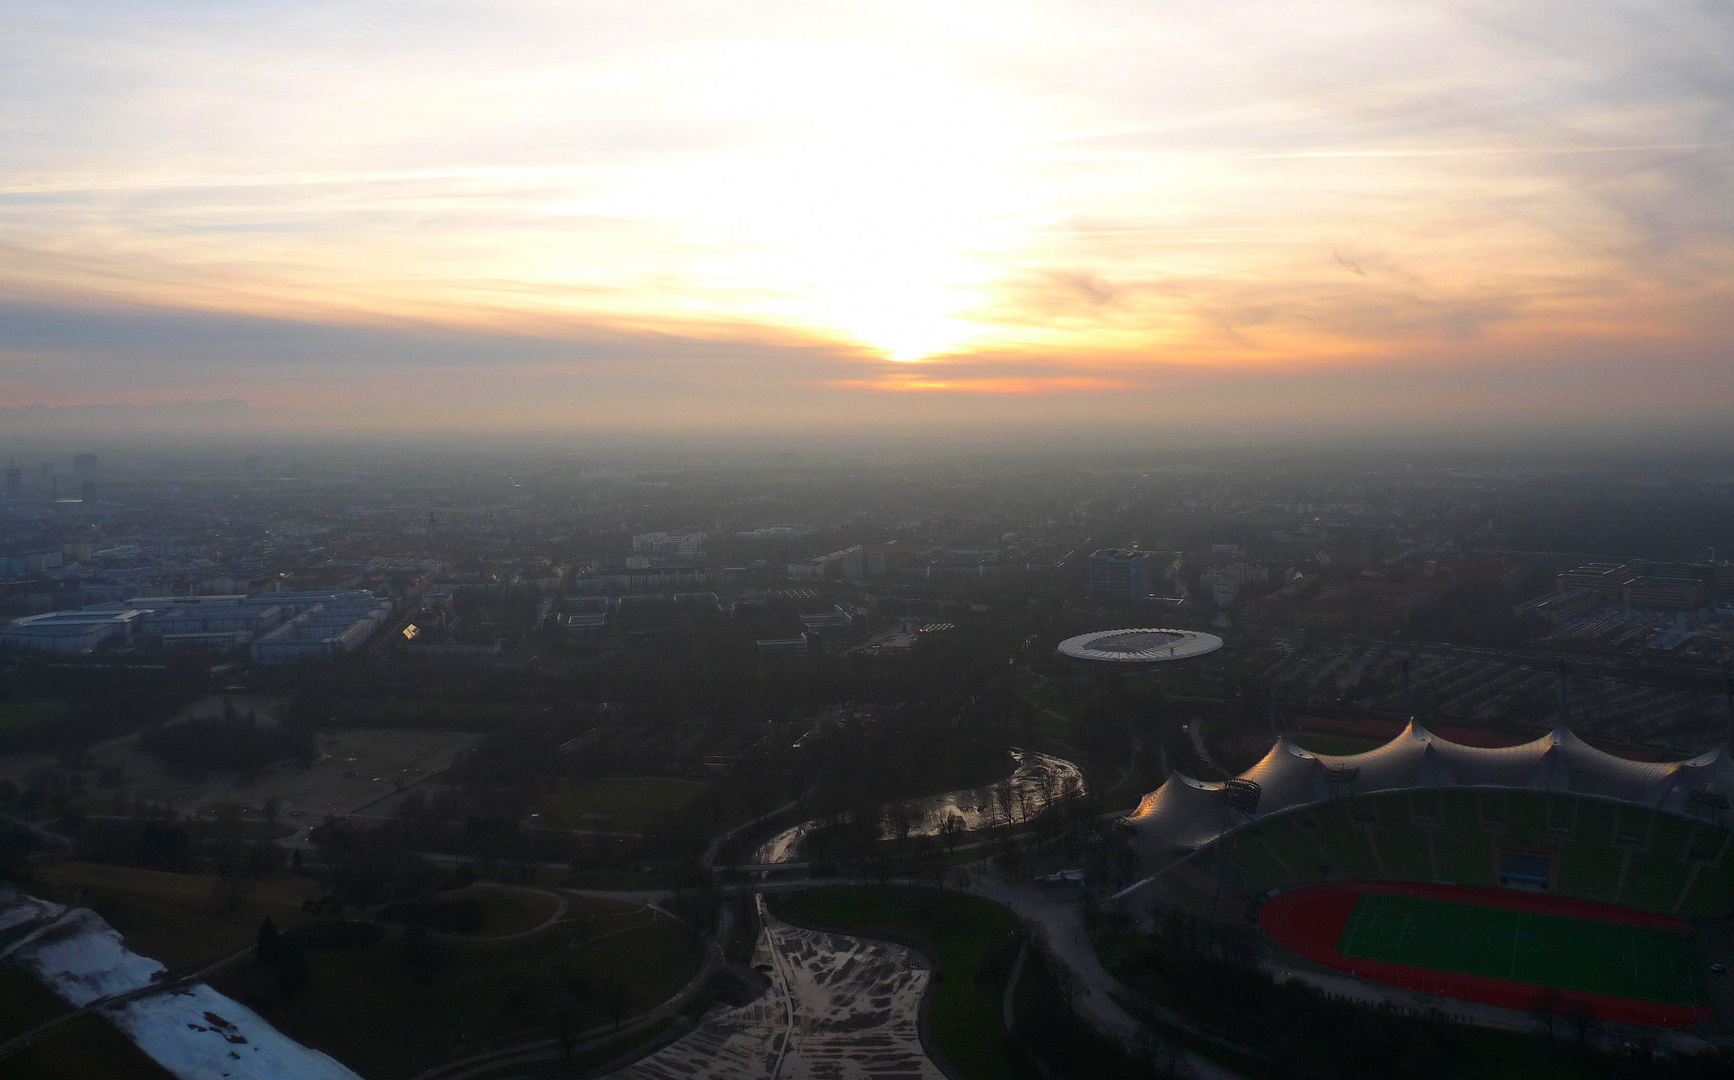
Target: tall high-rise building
14,479
1121,574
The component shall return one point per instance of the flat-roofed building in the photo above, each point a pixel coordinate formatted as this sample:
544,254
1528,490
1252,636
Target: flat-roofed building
772,648
340,623
1667,593
1558,608
1607,580
214,625
835,619
71,631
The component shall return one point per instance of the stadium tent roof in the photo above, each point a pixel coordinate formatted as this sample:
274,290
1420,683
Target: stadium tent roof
1194,812
1185,814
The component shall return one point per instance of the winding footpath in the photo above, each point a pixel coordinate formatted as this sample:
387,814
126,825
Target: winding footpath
1097,994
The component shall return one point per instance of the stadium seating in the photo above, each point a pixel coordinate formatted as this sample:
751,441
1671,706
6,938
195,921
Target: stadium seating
1600,850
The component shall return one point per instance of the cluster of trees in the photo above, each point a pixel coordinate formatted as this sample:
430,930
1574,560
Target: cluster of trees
283,958
1059,1042
17,845
154,845
61,708
461,916
368,866
898,755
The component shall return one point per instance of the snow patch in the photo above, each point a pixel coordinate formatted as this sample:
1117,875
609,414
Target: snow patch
192,1031
199,1034
16,909
81,958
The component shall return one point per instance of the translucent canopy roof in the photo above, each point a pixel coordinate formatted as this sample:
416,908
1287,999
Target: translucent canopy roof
1185,814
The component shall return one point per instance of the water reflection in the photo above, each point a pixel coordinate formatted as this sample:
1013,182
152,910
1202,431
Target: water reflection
1038,781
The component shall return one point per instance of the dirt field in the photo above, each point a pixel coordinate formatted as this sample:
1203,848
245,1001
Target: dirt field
356,769
263,709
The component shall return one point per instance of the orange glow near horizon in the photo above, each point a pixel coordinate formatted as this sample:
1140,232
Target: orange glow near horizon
987,385
1006,200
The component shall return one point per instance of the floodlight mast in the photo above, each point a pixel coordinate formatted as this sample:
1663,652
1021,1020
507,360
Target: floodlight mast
1728,711
1242,795
1341,778
1713,802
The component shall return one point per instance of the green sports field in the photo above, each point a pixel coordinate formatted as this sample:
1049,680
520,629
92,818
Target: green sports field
1581,955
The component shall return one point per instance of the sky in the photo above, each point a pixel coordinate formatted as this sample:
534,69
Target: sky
816,216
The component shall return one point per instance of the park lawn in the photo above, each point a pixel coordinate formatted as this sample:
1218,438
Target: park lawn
506,910
628,800
1060,700
31,712
185,921
972,941
610,877
363,1006
84,1048
24,1003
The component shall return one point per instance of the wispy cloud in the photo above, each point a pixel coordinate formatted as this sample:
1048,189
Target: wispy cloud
771,198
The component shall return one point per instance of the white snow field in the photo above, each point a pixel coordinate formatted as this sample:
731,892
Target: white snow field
192,1031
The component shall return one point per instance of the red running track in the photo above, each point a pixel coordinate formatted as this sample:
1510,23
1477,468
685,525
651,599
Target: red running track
1310,922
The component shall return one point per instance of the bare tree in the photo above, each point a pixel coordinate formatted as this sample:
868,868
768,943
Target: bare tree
619,997
1583,1022
1544,1009
951,830
1004,800
1045,784
566,1017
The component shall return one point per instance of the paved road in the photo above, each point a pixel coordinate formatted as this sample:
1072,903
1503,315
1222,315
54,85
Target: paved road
1096,991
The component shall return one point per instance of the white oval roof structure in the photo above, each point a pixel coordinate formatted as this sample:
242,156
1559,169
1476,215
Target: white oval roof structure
1184,814
1139,645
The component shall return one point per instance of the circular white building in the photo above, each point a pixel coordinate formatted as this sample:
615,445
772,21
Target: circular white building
1142,645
